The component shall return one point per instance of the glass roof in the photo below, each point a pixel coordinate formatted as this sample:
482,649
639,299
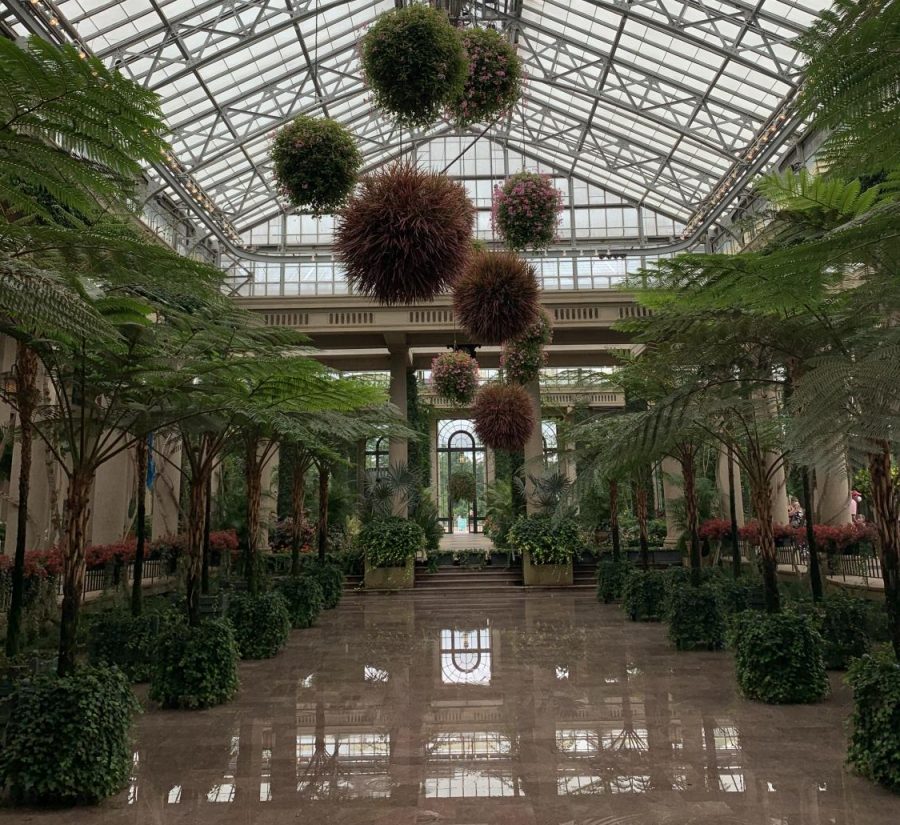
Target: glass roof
660,102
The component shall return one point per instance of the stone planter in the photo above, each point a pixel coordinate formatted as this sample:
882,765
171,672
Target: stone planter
545,575
390,578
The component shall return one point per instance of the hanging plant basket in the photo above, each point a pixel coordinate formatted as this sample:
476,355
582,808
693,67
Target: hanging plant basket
497,297
462,486
316,163
405,235
503,416
523,357
414,63
494,80
526,210
455,376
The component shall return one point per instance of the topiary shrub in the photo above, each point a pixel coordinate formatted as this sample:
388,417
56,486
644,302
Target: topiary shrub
405,235
68,739
737,595
778,658
494,80
261,624
611,577
497,297
330,578
695,617
547,540
414,63
526,210
461,486
455,376
644,595
874,749
523,356
303,597
115,637
503,416
391,542
843,623
196,667
316,163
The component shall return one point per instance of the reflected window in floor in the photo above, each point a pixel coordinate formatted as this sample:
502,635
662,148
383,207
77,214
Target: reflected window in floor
466,656
458,782
224,791
478,744
375,674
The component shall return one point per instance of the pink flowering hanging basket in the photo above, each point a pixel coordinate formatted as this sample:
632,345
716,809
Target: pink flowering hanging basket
455,376
526,211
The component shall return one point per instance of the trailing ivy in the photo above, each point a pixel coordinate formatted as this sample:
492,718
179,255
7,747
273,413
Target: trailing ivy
547,540
843,624
196,667
303,597
68,739
644,595
391,542
778,658
117,638
611,577
874,748
330,578
739,595
695,617
261,624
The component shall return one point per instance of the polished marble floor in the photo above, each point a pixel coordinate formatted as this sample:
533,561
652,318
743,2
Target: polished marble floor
542,708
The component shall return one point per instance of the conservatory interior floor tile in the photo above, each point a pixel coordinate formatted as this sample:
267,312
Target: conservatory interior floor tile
542,708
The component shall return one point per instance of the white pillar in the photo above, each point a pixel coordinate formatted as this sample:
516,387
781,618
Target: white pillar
113,492
268,507
398,453
40,527
778,488
673,492
166,487
832,494
534,447
724,494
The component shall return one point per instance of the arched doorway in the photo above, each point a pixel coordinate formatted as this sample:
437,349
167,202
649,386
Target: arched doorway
460,449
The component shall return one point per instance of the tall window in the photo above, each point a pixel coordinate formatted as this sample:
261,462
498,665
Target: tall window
551,446
460,450
377,454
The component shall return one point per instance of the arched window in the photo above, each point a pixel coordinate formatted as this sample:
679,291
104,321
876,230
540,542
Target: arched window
377,454
460,450
466,656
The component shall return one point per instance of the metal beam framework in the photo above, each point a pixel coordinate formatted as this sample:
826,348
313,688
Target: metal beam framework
661,102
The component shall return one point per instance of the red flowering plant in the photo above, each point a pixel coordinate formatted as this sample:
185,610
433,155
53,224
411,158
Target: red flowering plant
715,529
494,80
526,210
455,376
523,356
841,538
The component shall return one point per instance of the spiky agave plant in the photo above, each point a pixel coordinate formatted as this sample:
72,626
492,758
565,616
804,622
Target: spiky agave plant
497,297
503,416
405,235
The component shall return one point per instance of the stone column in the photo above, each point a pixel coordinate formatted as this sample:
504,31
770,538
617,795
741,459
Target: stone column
40,521
832,494
778,487
534,447
722,485
166,487
268,508
397,453
113,492
673,491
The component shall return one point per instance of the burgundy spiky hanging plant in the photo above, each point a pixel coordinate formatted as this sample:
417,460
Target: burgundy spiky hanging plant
405,235
497,297
503,416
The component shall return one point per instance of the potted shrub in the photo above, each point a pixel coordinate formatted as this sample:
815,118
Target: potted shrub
547,546
390,546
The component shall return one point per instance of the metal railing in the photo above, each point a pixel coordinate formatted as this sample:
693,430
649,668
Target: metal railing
833,564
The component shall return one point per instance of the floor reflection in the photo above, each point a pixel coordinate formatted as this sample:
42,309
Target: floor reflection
542,709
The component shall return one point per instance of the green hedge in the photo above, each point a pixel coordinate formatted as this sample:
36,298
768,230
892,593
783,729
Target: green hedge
737,595
547,540
261,624
68,739
391,542
843,624
874,748
611,577
330,578
644,595
196,667
115,637
778,658
304,599
695,617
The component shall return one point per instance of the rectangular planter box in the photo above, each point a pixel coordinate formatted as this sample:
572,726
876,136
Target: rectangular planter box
390,578
545,575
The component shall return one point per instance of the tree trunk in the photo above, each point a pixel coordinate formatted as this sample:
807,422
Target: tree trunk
207,522
137,584
298,498
885,513
322,527
640,506
77,511
614,519
815,574
762,506
736,566
253,477
691,511
26,397
196,519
